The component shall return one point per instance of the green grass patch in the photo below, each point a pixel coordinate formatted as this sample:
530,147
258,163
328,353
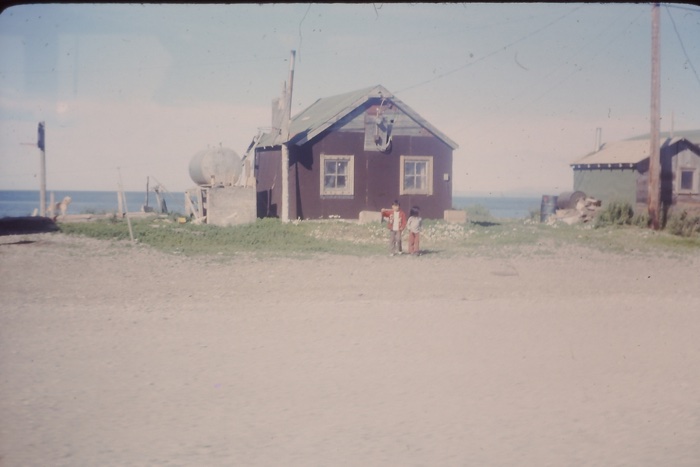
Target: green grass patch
265,236
487,237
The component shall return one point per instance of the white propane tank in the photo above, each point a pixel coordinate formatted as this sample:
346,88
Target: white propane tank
215,166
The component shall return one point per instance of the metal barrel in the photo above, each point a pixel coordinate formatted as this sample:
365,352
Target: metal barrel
548,207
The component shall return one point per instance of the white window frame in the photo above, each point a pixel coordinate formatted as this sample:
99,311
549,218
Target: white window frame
428,189
349,189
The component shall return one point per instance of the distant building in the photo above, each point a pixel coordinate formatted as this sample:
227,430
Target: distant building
356,152
620,171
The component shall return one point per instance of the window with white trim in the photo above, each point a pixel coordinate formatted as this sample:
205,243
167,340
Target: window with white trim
337,175
416,175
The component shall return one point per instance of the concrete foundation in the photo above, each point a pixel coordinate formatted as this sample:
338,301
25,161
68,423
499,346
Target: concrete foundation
367,217
455,216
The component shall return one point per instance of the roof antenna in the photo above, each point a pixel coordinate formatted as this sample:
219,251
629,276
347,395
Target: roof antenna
672,123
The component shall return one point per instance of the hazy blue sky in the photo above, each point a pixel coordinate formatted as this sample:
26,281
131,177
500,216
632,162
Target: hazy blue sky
520,87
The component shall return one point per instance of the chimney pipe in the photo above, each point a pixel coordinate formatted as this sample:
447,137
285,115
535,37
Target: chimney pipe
598,138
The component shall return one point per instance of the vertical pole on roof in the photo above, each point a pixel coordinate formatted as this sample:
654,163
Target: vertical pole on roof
284,215
654,149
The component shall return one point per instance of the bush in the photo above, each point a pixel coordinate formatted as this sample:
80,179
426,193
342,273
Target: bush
683,224
642,220
615,213
477,212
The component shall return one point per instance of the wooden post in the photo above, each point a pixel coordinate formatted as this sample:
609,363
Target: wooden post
52,205
146,205
654,143
126,208
285,145
42,188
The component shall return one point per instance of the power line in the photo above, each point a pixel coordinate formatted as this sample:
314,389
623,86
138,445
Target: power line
580,68
499,50
300,37
678,7
682,45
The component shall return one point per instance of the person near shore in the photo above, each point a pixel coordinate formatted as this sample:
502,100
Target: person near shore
396,223
414,226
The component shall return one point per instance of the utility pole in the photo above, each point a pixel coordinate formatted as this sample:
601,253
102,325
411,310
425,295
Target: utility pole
654,136
41,144
285,141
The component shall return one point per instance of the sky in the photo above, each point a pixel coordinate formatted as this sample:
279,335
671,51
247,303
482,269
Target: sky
130,91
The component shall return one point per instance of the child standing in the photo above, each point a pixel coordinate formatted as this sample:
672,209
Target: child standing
396,222
414,225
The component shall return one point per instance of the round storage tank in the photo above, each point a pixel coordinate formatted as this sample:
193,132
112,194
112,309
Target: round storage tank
215,166
569,199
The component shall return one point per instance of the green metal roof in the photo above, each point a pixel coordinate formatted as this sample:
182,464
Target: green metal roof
327,111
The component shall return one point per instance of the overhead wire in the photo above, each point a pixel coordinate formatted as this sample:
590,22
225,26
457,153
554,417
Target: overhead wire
577,69
679,7
497,51
690,62
580,68
300,36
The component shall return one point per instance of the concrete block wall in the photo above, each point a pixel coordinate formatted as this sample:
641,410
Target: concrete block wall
456,216
231,205
367,217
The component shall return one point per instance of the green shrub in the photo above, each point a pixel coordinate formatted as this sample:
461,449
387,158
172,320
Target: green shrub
683,224
477,213
615,213
641,220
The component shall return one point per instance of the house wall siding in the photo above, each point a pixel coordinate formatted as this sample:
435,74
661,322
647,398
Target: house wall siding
608,185
376,177
686,159
268,170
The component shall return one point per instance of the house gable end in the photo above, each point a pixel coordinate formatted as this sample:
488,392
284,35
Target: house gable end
333,112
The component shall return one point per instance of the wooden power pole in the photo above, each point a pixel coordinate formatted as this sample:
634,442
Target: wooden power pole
654,136
286,119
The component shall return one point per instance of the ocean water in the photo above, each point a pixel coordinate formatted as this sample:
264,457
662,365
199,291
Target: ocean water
501,207
15,203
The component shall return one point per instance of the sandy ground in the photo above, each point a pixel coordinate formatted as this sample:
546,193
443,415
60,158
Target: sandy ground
113,355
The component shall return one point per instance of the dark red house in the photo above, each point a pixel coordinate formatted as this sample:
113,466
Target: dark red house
355,152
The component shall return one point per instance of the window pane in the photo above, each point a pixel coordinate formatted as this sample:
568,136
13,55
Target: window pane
420,183
686,180
409,168
337,176
409,183
421,168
